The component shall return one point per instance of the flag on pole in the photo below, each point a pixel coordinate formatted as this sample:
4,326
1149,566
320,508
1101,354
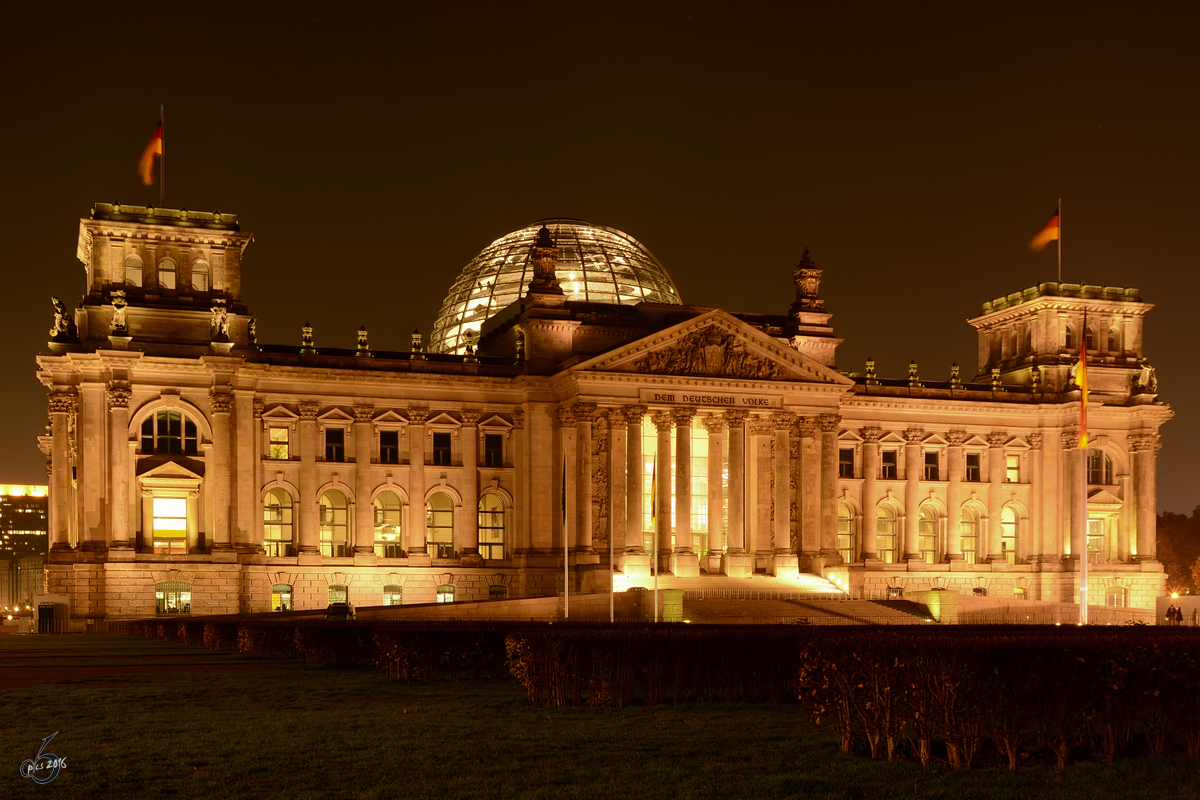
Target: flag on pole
1081,381
146,164
1048,234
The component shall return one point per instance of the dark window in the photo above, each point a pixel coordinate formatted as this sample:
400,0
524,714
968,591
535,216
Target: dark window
389,447
441,449
335,444
889,470
493,450
846,462
497,592
931,466
1099,467
169,433
974,468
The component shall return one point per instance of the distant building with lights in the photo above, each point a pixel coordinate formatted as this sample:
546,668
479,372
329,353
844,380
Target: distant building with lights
24,541
566,389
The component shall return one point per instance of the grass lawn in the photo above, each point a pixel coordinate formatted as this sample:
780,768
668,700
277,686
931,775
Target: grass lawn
286,730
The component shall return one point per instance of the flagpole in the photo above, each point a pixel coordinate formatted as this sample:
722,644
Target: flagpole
1083,477
1059,240
162,157
566,547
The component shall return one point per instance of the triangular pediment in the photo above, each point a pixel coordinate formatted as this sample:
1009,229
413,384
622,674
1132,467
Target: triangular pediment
336,416
280,413
390,418
1102,497
496,421
714,345
175,470
444,419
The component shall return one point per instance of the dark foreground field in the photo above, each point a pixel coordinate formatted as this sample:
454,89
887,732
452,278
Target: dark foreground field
221,725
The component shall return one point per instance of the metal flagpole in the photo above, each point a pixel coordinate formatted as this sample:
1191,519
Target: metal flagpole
1083,478
612,575
1059,242
654,521
566,545
162,157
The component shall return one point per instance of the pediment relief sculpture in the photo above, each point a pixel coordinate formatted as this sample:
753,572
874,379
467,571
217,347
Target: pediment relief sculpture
710,352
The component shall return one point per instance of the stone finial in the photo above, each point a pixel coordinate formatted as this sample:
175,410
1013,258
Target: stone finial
417,350
870,375
544,256
955,380
996,384
1035,377
807,278
306,340
519,343
913,380
364,349
468,339
252,332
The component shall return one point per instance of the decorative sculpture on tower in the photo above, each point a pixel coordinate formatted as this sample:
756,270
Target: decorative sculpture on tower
808,281
544,256
219,325
119,304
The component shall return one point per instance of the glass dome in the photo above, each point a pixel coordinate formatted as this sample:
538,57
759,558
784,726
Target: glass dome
595,264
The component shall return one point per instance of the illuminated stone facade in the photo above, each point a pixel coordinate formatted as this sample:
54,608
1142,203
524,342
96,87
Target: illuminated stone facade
195,470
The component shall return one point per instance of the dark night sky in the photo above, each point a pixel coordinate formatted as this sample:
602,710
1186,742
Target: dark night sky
374,149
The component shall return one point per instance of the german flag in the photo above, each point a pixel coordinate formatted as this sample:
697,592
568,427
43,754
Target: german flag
146,164
1048,234
1081,381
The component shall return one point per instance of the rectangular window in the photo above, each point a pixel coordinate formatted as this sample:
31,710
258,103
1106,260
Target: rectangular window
974,468
888,465
493,450
389,447
1095,541
846,462
931,466
1012,468
441,449
170,524
279,443
335,444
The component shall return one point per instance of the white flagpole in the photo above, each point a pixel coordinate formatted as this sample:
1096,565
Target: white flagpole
1059,242
162,157
1083,476
566,546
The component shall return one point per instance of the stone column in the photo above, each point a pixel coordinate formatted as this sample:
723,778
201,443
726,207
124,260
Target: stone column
246,481
469,541
257,527
954,474
870,493
785,562
913,467
716,426
618,449
568,474
1127,524
760,528
810,490
736,562
1071,493
663,422
685,563
996,466
118,469
828,424
89,442
217,478
584,413
418,550
1145,485
521,533
636,561
1037,491
364,508
309,535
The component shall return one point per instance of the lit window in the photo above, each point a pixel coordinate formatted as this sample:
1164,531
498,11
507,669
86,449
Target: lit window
166,274
169,433
389,447
493,450
1099,467
927,534
491,527
173,597
931,465
393,595
1009,534
388,526
280,439
133,271
1095,541
170,524
888,468
338,593
846,533
277,524
1114,596
974,467
885,534
441,449
200,276
335,444
334,524
1012,468
846,462
281,597
445,594
970,535
439,526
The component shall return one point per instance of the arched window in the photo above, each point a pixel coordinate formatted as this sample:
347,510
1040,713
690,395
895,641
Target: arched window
1089,338
970,534
277,524
166,273
1069,338
281,597
491,526
885,538
1114,341
133,271
927,534
173,597
200,276
388,530
169,433
1099,467
439,526
334,525
445,593
393,595
1009,534
846,544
